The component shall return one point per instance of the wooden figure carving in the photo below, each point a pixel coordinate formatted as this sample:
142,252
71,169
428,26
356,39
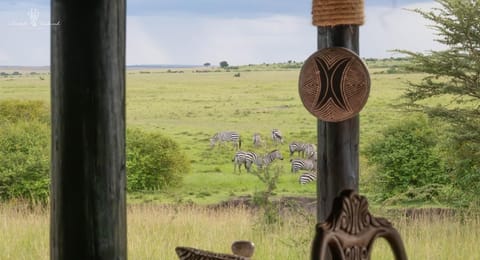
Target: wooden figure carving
334,84
189,253
242,250
351,230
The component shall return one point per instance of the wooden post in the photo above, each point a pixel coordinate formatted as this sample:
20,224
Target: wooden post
338,166
88,197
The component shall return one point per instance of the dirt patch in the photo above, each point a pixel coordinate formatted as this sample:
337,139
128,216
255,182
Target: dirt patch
423,213
307,204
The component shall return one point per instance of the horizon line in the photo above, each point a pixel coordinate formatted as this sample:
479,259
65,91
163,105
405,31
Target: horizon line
181,65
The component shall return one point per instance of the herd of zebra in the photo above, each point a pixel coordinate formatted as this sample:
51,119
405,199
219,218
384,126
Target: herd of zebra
307,152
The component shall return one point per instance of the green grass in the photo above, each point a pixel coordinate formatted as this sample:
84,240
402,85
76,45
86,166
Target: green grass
210,188
191,107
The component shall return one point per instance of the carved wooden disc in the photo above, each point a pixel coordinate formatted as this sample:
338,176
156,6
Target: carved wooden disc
334,84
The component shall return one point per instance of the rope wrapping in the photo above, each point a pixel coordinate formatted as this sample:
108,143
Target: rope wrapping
337,12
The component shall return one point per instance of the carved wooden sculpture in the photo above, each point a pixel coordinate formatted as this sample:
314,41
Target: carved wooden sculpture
189,253
242,250
351,230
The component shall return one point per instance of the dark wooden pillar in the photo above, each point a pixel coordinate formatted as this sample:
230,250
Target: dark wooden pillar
88,199
338,166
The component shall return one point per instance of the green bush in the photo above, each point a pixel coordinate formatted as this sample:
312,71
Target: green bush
153,161
463,164
406,159
24,151
12,111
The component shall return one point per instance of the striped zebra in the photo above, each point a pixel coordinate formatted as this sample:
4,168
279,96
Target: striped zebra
277,136
247,159
228,136
257,140
304,150
311,151
297,147
307,177
270,157
303,164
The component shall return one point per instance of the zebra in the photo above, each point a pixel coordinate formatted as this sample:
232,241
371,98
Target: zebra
311,151
307,177
247,159
271,156
296,147
277,136
304,150
228,136
303,164
257,140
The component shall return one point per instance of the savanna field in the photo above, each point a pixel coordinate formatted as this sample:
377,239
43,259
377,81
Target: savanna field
189,106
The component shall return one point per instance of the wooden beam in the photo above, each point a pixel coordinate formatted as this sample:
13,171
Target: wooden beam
338,166
88,195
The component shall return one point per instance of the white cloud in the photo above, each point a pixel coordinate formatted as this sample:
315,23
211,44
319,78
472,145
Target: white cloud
3,57
24,42
396,28
180,38
141,46
195,40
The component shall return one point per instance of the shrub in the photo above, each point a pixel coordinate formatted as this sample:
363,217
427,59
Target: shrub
463,164
153,161
24,151
262,198
406,159
12,111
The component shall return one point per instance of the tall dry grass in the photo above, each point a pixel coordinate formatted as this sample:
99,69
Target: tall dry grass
23,232
436,237
154,231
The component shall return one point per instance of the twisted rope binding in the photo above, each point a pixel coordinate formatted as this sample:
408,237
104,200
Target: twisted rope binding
337,12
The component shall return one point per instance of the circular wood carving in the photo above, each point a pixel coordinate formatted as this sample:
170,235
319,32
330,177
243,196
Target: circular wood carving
334,84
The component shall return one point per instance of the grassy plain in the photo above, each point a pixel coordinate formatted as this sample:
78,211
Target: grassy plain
190,107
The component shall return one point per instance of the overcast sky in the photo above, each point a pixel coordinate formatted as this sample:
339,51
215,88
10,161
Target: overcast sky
198,31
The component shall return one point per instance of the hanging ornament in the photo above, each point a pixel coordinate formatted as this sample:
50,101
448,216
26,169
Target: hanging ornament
334,84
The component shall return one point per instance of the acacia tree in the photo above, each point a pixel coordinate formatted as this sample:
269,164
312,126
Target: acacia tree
451,89
224,64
